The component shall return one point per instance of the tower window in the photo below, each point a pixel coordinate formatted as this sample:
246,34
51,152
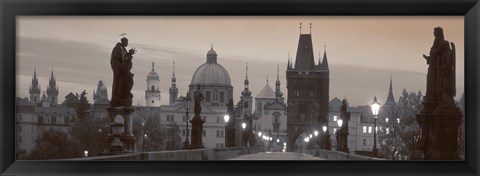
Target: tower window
153,88
245,105
153,101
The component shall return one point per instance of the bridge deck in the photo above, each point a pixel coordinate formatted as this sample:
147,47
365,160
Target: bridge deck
277,156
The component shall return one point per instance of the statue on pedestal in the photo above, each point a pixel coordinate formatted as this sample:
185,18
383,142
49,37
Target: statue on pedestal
121,63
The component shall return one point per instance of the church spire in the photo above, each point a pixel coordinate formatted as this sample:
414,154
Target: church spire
153,66
325,60
52,90
173,89
390,98
34,88
278,93
246,92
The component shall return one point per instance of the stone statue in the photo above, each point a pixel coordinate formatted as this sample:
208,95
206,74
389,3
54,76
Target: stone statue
446,78
121,63
198,98
438,49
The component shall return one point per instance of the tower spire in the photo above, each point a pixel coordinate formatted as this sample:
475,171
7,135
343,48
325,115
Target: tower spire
267,79
173,68
325,60
153,66
390,98
278,65
246,71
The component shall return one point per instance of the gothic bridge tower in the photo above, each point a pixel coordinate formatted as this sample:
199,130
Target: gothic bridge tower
308,93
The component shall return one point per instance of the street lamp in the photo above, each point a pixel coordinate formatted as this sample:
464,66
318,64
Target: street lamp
315,133
86,153
324,128
339,135
244,140
143,136
244,125
375,107
187,102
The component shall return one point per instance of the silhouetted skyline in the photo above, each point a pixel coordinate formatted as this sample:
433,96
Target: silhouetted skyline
362,51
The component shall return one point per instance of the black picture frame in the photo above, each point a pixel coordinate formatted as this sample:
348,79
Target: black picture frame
9,9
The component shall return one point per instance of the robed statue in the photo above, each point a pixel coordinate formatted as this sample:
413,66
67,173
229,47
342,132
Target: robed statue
121,63
441,70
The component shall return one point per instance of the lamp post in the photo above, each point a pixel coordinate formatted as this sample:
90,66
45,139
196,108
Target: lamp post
244,141
324,128
339,135
375,107
226,118
143,136
187,102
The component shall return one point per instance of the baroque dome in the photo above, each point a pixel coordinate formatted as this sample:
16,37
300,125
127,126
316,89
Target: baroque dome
211,73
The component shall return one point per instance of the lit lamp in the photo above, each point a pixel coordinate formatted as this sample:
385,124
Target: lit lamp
244,126
315,133
226,118
86,153
375,107
259,134
324,128
339,135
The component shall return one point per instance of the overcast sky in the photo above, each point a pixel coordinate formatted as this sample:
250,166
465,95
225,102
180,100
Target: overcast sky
363,52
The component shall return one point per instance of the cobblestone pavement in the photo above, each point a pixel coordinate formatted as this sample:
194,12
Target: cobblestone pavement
277,156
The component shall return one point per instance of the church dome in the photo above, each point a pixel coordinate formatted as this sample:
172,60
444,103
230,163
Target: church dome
211,73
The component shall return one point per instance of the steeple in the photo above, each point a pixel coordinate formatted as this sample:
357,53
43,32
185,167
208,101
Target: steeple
304,59
289,63
278,93
246,97
390,98
173,89
325,60
34,88
152,91
52,90
246,91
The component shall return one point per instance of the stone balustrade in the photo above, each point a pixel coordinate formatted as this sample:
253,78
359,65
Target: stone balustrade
195,154
337,155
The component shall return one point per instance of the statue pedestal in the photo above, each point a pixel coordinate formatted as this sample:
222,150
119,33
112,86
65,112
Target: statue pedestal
446,123
120,137
425,120
197,130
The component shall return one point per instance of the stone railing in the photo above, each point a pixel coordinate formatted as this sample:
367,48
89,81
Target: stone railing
196,154
337,155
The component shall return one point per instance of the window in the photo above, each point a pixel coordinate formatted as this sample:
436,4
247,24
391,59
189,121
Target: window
218,119
222,97
364,142
222,133
204,133
207,96
215,95
204,118
259,107
364,129
276,119
334,118
369,129
170,118
19,117
218,133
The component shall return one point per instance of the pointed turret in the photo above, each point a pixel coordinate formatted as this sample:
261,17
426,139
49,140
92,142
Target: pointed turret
390,98
52,90
278,92
246,94
34,88
325,60
173,89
